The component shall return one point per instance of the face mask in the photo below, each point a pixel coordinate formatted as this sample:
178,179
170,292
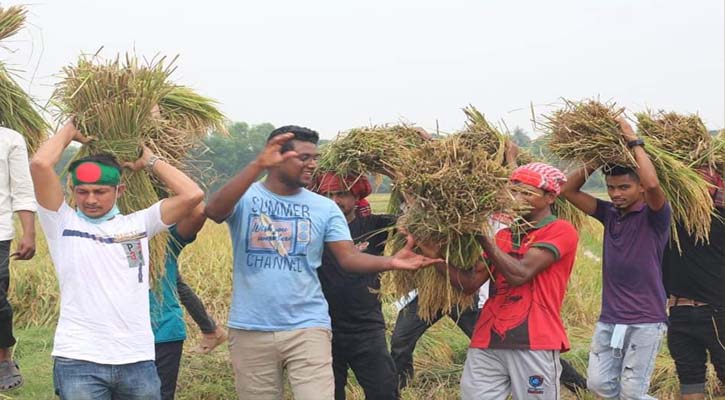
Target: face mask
103,218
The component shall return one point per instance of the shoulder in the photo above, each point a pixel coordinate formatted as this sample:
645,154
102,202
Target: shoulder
560,226
11,134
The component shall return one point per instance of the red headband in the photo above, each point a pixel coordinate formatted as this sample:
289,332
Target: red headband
540,175
359,186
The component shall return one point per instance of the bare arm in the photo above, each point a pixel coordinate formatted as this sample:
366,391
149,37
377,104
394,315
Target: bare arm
517,271
654,196
468,281
48,191
26,246
187,193
221,204
192,223
353,260
573,193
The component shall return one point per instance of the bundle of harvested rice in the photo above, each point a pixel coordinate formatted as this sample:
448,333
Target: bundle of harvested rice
17,110
683,136
365,151
588,132
12,20
452,187
115,103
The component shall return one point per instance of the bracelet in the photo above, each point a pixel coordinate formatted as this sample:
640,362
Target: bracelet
150,163
636,142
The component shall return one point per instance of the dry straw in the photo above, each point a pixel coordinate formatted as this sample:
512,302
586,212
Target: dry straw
17,109
588,132
114,102
683,136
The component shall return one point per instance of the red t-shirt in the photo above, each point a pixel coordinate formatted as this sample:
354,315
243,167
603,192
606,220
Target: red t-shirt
528,316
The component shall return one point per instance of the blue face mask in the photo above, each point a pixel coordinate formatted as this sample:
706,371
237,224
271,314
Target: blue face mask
103,218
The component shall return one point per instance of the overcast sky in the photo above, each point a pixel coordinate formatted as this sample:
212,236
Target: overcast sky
332,65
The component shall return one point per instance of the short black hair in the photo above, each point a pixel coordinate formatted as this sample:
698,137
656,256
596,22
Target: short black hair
618,170
101,158
301,133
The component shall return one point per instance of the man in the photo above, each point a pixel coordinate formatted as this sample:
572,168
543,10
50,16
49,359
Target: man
16,196
278,319
518,337
358,327
167,320
103,345
694,282
636,230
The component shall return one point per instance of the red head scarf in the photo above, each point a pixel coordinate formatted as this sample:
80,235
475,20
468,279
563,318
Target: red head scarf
540,175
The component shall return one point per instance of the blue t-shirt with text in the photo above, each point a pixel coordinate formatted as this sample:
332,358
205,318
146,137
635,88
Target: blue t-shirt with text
277,243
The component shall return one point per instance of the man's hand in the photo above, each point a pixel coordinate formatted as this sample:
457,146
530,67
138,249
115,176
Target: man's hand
422,133
272,155
26,248
627,131
77,135
140,164
430,249
406,259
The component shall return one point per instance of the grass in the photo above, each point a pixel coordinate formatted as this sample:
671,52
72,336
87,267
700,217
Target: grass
206,266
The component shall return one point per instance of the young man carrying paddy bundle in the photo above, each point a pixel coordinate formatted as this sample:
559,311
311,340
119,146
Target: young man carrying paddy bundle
358,327
694,282
16,197
632,323
518,337
104,344
279,319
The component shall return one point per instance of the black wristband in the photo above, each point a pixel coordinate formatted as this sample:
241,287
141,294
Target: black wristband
636,142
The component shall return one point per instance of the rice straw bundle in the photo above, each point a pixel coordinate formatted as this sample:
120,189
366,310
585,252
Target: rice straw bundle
589,133
365,151
12,20
18,113
683,136
17,110
452,187
114,101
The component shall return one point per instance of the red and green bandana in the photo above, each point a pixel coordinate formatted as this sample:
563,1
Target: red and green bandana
95,173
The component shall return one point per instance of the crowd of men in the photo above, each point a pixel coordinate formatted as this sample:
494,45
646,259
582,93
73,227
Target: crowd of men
306,270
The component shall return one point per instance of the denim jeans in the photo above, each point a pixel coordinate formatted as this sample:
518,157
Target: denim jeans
624,373
85,380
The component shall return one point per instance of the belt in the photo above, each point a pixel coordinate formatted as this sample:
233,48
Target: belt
675,301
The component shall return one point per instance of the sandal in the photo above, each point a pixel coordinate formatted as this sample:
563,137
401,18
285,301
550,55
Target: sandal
10,377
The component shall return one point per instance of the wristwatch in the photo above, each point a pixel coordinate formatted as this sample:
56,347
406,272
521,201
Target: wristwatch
636,142
150,163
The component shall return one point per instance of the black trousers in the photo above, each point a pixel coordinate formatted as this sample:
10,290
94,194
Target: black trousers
366,353
6,310
693,333
409,327
194,306
168,358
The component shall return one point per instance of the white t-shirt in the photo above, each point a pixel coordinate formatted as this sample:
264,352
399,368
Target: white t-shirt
103,275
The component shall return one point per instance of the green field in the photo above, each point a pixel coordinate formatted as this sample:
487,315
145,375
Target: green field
206,266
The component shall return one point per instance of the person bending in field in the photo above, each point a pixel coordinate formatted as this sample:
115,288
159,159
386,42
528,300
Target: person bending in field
279,318
104,345
519,334
632,322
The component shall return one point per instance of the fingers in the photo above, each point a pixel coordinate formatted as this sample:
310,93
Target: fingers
409,242
279,140
289,154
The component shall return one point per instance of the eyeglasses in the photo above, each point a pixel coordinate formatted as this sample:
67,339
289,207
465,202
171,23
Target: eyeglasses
308,158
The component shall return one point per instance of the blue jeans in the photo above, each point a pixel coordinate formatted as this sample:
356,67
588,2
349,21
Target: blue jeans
624,373
85,380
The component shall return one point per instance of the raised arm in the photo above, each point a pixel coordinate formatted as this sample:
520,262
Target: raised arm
654,196
221,204
192,223
573,193
48,190
187,193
